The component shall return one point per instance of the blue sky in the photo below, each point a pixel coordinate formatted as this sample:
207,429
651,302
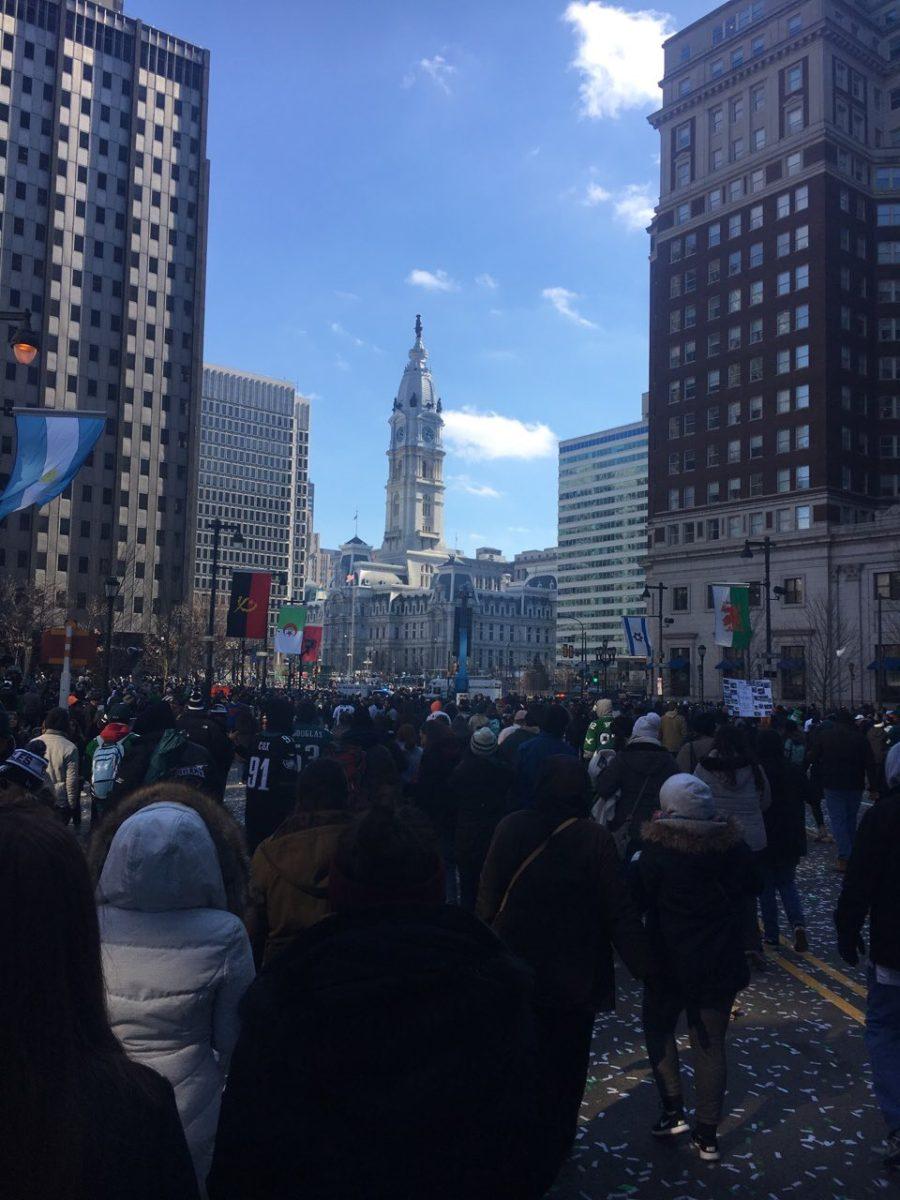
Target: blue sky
483,162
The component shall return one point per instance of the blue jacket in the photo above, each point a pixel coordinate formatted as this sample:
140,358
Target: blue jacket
532,755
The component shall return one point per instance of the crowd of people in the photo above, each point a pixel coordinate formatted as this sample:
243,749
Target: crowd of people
384,981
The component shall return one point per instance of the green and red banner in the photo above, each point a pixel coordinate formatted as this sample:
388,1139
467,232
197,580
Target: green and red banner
312,644
248,608
731,602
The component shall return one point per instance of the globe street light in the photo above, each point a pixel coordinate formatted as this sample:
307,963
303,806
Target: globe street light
25,343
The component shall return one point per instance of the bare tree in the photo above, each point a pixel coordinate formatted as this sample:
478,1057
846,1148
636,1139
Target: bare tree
829,632
25,612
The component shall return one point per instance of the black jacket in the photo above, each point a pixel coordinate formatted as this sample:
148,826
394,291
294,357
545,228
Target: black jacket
840,757
193,767
385,1055
482,792
694,887
637,773
206,732
872,884
567,909
785,818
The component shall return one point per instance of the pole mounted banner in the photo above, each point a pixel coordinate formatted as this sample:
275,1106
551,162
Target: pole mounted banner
248,608
51,447
289,634
731,604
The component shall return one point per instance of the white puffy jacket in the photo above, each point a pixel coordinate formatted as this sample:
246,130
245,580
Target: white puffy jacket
176,961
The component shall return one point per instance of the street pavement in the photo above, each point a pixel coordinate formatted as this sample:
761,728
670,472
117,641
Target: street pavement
801,1122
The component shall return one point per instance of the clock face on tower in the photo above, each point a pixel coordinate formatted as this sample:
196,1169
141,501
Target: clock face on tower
399,436
428,435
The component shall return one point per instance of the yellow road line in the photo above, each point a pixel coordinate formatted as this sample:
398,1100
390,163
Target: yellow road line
825,992
828,969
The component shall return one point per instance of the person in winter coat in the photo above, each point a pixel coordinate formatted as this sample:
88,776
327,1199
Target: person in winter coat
672,728
695,877
553,889
441,754
841,756
171,881
785,821
527,726
741,791
271,775
289,871
871,889
482,786
635,776
388,1053
158,753
599,735
79,1120
203,729
549,743
701,731
63,765
113,742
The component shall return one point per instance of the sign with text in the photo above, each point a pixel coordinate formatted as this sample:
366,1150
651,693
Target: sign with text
747,697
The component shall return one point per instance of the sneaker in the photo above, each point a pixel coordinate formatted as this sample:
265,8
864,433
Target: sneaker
892,1146
706,1147
801,943
670,1124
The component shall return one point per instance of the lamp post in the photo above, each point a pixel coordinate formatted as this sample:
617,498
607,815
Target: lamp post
851,668
580,624
766,546
24,342
110,591
237,539
701,654
606,655
659,588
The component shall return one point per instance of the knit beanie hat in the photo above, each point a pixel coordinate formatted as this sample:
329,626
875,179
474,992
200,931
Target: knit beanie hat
483,741
686,798
647,726
478,721
26,767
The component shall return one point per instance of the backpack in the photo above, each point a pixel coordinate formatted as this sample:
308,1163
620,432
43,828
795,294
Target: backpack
166,756
104,768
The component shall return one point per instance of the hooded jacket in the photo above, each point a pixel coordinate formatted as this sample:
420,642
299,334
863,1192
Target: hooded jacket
289,878
740,798
387,1054
176,962
693,880
637,773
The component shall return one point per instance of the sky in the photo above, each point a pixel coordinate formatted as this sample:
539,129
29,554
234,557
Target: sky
487,163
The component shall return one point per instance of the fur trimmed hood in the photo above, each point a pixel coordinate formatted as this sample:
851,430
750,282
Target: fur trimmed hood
692,837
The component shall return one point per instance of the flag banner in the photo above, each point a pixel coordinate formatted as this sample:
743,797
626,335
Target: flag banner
637,635
248,608
51,447
312,644
731,604
289,634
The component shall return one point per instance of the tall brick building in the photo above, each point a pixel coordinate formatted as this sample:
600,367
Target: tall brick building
775,332
104,213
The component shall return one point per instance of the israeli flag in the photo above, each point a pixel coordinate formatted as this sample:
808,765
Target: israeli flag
637,635
51,447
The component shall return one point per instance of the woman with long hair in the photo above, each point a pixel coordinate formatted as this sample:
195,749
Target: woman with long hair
171,893
79,1121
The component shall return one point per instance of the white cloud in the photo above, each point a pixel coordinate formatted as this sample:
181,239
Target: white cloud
464,483
563,301
484,280
341,363
432,281
619,55
633,204
339,331
349,296
437,69
484,436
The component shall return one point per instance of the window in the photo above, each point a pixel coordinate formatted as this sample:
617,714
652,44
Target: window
756,369
801,478
756,327
756,411
679,599
793,120
783,283
756,216
757,180
793,79
794,163
783,205
734,226
783,479
801,277
803,516
734,262
756,254
712,381
801,437
734,418
714,234
675,320
713,344
734,451
683,136
887,585
801,316
783,322
737,109
783,520
888,252
783,244
734,300
782,442
712,418
714,308
756,446
756,293
758,98
734,337
716,119
782,362
712,455
713,270
801,396
713,492
737,149
674,499
888,214
756,483
801,358
735,527
793,590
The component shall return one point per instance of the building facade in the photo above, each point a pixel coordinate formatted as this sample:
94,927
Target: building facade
103,143
602,519
774,326
396,610
254,465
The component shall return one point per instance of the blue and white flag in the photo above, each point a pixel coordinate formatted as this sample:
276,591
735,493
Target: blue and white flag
637,635
51,446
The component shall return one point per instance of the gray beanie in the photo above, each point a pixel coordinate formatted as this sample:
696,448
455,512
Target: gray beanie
646,727
483,741
686,798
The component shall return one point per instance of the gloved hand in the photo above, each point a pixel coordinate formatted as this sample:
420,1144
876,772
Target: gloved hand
850,946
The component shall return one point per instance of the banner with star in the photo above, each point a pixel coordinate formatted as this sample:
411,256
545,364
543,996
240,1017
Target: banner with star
51,448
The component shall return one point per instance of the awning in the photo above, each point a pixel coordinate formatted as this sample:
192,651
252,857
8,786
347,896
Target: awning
792,664
889,664
730,664
679,664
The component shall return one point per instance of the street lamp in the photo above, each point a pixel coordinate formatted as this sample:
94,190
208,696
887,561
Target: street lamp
659,588
25,343
237,539
606,656
701,654
110,590
580,623
766,546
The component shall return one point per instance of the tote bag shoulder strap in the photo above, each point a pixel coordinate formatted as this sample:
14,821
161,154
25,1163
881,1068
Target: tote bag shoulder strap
526,863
